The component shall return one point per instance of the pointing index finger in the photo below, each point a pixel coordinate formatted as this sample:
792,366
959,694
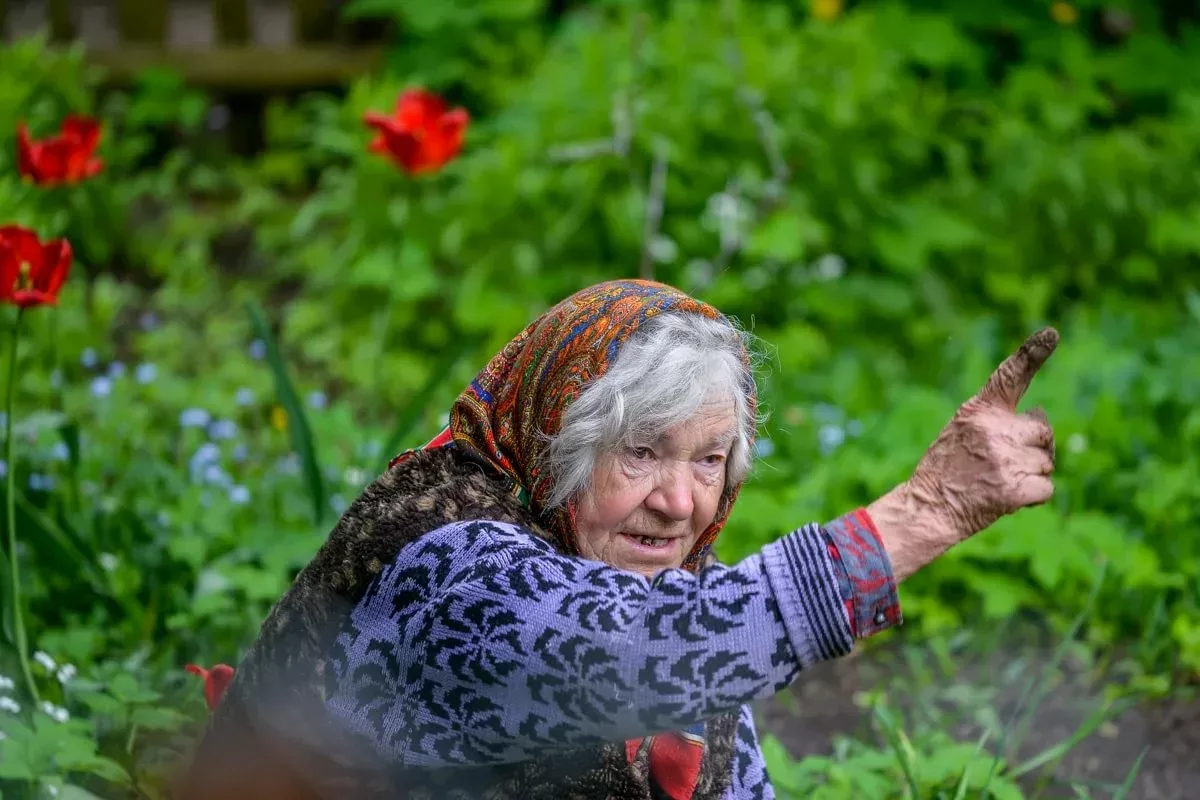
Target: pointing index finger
1008,384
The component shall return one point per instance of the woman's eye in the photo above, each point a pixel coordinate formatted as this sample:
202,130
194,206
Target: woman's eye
713,460
640,452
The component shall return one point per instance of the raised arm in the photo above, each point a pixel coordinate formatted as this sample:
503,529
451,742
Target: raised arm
481,644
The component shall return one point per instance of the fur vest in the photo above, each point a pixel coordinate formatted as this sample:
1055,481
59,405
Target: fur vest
266,740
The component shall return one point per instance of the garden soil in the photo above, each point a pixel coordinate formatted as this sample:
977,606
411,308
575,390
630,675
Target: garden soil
821,705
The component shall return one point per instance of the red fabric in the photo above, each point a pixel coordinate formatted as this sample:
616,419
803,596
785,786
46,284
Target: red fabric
216,681
674,762
862,582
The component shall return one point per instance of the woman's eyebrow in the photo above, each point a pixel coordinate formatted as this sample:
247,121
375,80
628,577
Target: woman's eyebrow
722,440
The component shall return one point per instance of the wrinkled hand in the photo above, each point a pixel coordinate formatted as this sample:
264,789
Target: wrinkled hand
988,461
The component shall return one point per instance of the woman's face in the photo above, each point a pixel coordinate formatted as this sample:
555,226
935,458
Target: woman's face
647,506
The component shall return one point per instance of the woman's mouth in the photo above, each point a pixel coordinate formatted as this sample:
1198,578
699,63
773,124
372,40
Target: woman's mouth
657,543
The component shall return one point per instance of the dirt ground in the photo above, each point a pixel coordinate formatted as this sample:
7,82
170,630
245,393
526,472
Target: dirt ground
820,706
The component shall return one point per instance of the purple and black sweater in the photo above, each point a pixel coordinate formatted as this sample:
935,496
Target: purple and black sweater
480,644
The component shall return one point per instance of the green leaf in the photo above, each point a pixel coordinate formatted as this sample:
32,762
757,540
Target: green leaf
298,425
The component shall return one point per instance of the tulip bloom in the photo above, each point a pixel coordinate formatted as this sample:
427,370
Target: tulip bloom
422,134
31,271
69,157
31,274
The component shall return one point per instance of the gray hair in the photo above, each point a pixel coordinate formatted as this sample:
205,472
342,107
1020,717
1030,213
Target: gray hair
664,373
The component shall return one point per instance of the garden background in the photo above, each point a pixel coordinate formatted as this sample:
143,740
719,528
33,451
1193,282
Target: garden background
262,309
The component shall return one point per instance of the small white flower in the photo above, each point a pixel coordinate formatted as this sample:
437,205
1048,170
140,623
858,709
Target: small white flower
54,712
45,660
51,790
1077,443
194,418
60,451
244,397
239,495
6,684
101,386
66,673
663,249
214,474
223,429
108,561
830,267
831,437
355,476
10,705
145,373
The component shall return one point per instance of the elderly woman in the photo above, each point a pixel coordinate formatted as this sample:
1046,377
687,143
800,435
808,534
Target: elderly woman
529,606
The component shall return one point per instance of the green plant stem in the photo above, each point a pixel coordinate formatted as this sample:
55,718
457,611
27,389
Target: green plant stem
14,569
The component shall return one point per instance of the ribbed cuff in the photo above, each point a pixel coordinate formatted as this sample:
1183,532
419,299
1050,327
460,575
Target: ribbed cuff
864,570
804,580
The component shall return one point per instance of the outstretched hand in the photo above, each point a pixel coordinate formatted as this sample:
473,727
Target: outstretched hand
988,461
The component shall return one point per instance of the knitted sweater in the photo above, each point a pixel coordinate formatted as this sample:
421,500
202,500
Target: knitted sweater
480,644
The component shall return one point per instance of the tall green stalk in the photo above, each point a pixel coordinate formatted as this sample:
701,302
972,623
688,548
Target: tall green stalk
10,502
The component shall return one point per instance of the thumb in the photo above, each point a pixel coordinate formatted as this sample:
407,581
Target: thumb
1008,384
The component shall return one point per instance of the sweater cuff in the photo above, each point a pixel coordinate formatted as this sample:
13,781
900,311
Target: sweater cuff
865,579
804,581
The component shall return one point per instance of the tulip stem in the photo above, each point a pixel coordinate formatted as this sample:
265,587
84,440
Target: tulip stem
10,498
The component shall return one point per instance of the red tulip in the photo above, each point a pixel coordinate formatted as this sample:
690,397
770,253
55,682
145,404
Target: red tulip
31,271
422,134
216,681
68,157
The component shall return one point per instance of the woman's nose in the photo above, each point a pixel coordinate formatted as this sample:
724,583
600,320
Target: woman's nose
672,493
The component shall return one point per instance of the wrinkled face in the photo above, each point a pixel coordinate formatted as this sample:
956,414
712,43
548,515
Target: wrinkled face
648,505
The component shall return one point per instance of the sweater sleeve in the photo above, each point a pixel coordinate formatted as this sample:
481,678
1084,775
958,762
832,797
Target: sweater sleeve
481,645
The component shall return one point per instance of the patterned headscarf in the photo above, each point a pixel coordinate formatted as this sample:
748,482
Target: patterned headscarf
524,391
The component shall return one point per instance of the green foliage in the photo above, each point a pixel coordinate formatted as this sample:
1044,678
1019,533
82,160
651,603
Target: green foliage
892,200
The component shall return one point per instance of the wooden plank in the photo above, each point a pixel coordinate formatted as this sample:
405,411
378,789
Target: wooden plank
232,19
143,21
245,68
62,22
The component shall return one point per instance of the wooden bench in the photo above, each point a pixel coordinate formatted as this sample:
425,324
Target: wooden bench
239,46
